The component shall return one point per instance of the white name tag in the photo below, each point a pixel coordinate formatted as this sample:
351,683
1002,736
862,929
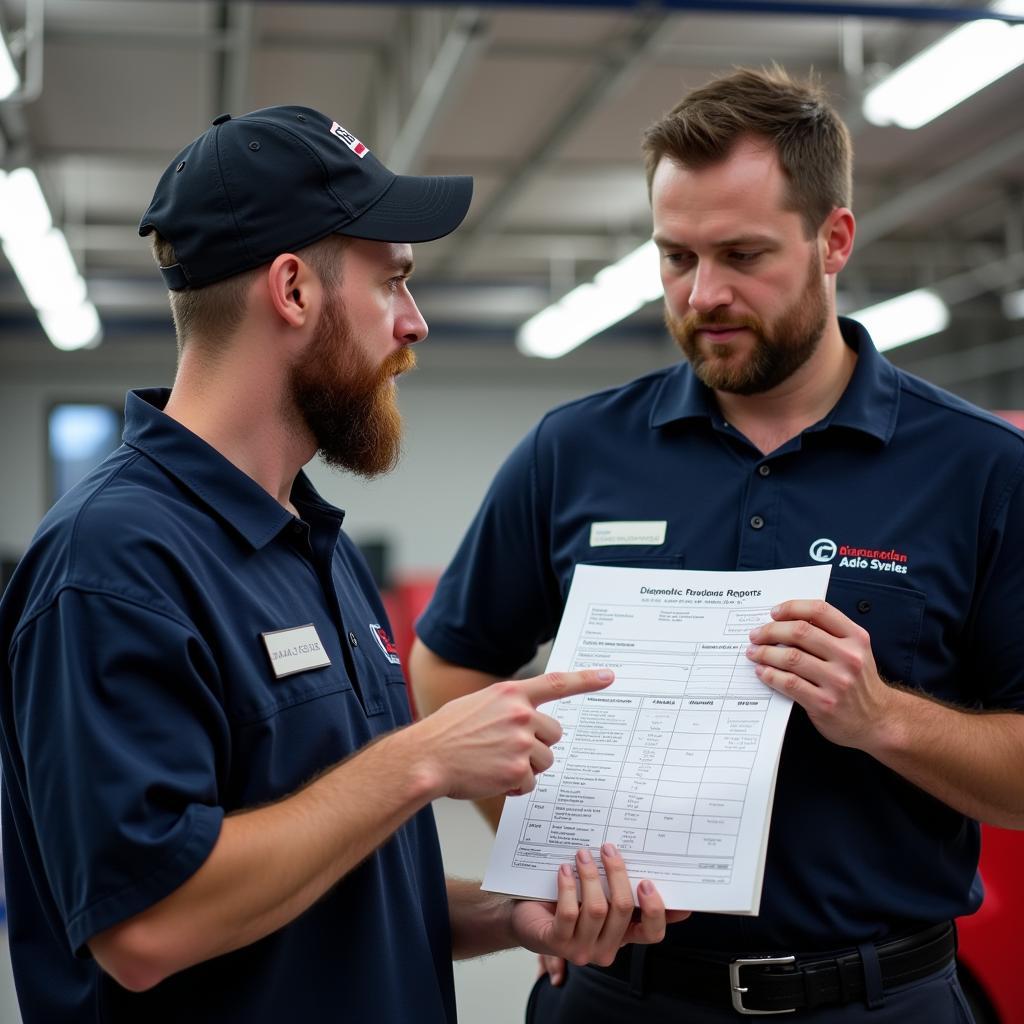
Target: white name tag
627,532
295,650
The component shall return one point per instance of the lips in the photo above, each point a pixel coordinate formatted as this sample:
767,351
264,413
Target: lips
720,333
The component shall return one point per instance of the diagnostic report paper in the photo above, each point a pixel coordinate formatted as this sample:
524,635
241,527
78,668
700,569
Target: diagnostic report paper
675,762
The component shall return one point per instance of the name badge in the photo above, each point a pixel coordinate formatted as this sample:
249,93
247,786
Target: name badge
628,532
295,650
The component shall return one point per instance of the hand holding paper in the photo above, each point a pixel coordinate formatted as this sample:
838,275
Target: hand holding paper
591,927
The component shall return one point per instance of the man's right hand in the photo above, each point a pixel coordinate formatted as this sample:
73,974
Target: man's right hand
496,741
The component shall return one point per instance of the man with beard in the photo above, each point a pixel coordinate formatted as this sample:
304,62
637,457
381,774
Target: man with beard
210,811
784,439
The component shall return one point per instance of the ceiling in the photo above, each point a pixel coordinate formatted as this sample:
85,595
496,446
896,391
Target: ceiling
544,105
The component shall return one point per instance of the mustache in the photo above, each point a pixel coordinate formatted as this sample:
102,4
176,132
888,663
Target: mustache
693,322
398,362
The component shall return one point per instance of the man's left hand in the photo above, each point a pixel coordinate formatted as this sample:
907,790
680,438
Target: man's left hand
593,927
814,654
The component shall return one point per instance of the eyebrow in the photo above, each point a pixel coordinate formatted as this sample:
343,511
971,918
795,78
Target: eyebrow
753,239
403,265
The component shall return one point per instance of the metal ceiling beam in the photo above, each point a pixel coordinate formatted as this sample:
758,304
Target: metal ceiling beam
614,69
883,219
235,62
461,47
202,39
977,362
798,8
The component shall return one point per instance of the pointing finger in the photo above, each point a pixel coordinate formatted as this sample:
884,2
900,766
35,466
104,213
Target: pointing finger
557,685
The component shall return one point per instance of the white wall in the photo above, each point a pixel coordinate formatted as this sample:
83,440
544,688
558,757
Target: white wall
465,407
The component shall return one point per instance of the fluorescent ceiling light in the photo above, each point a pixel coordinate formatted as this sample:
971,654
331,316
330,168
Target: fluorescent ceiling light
41,259
23,209
618,290
46,270
9,78
947,72
904,318
72,327
1013,305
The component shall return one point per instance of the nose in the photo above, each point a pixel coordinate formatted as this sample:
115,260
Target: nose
410,327
709,289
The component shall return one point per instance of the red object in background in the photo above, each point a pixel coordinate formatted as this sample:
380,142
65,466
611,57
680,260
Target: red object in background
1015,416
992,940
404,603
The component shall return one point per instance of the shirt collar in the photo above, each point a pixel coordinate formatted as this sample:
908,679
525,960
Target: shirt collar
869,404
222,486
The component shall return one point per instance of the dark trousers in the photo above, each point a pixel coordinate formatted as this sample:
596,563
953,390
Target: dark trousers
589,996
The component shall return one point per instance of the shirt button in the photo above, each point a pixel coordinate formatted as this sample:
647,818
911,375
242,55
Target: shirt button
764,470
352,639
756,522
863,607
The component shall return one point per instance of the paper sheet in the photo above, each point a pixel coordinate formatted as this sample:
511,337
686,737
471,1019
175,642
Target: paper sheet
675,762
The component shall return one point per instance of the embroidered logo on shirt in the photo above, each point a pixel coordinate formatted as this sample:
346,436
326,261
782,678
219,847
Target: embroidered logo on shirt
852,557
385,643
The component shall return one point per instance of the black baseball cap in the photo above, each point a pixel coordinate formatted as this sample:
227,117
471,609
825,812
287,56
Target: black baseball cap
278,179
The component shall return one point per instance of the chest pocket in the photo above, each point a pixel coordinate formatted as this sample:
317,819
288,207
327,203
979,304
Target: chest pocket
893,616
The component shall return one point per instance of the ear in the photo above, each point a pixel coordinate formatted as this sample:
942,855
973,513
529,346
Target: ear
293,290
836,239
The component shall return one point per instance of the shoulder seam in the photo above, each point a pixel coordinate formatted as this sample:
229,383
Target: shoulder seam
83,588
73,540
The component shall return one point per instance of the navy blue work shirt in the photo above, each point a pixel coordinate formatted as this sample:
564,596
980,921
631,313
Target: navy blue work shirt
140,705
914,496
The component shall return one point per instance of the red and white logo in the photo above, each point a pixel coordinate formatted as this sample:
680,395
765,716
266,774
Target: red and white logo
349,139
385,643
824,549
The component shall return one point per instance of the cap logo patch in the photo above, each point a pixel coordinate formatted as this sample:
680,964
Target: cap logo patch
349,139
385,643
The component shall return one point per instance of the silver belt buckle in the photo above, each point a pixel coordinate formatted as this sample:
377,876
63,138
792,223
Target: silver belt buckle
738,991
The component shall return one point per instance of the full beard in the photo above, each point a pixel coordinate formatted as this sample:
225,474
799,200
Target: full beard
779,349
346,403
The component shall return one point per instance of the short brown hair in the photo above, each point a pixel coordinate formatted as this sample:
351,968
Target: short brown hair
215,311
795,116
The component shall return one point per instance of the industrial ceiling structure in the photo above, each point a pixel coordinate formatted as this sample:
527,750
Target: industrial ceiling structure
544,105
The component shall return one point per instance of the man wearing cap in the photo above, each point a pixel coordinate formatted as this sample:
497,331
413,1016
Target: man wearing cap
783,439
211,812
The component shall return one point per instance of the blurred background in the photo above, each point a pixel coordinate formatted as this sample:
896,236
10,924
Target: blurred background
544,105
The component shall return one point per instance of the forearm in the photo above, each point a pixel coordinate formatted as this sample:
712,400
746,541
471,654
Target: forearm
435,682
481,921
974,762
271,864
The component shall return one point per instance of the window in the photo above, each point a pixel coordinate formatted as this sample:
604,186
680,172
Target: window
80,437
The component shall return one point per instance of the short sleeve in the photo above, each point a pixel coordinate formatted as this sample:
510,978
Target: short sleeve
498,599
994,659
123,740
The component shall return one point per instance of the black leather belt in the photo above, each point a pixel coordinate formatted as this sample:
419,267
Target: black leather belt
783,983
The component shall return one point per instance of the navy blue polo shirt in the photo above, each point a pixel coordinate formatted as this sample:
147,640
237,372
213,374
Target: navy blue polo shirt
140,705
916,499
